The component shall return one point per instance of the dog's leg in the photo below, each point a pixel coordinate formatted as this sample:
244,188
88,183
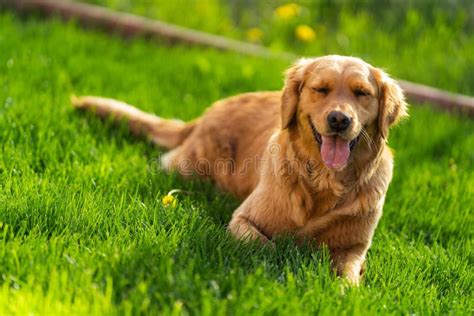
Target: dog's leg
244,229
166,133
349,262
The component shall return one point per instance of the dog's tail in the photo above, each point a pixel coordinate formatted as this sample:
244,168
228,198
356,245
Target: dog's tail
165,133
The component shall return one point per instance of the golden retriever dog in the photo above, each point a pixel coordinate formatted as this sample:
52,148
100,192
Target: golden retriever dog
310,160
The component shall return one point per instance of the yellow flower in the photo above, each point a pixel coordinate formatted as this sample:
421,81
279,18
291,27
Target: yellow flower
305,33
288,11
254,34
169,200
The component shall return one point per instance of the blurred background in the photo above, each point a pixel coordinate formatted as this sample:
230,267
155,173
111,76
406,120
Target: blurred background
413,40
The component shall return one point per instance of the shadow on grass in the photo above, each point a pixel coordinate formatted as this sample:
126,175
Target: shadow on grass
216,264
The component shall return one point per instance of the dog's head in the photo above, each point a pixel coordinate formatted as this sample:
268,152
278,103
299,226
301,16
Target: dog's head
340,101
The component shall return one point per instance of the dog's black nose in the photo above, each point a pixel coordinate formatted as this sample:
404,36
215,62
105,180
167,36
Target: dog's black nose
338,121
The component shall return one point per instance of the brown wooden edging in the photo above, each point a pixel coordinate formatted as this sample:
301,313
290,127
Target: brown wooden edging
132,25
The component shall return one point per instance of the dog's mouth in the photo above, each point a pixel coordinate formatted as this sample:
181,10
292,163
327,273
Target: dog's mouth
335,150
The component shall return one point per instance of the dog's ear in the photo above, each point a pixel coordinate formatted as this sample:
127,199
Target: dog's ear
392,105
294,82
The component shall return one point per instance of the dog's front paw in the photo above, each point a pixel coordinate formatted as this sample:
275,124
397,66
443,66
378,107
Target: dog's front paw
244,229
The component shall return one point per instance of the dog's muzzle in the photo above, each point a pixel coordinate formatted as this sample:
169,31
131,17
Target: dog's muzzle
319,140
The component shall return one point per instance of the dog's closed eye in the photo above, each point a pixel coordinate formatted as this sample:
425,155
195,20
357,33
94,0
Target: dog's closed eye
361,93
323,90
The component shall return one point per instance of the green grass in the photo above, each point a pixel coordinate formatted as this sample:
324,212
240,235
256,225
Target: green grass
425,41
83,230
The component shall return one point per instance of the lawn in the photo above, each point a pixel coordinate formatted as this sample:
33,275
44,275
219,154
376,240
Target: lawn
83,229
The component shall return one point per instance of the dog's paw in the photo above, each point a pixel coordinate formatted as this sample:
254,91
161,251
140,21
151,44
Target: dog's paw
267,242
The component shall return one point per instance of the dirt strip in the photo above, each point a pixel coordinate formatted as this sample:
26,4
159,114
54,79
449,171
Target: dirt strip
130,25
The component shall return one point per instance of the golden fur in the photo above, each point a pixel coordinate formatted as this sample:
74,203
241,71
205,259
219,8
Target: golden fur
262,147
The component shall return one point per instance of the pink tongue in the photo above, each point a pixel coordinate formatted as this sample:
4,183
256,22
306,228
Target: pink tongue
335,151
